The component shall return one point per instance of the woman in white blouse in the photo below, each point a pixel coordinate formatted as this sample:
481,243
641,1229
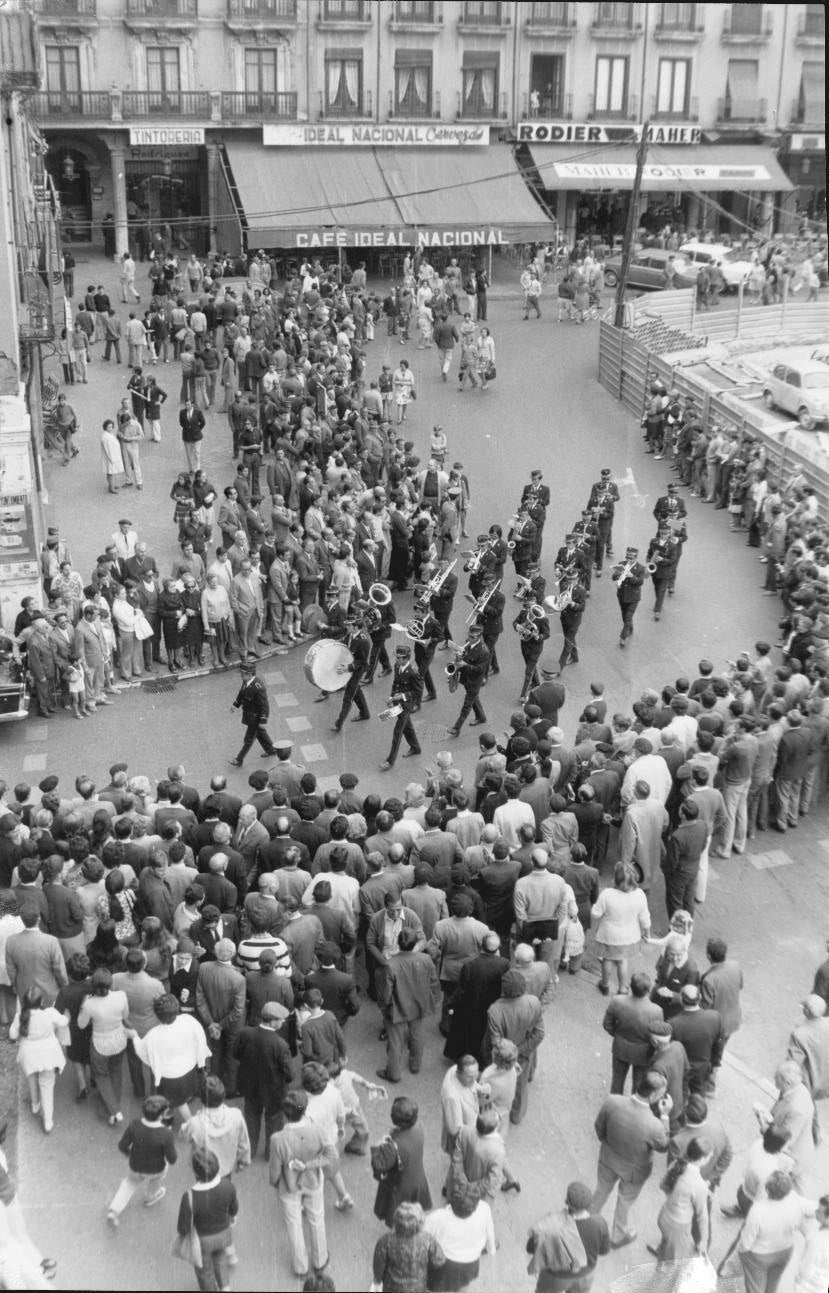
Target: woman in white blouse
464,1230
39,1031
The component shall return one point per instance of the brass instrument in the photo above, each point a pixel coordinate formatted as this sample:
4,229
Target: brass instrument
436,583
523,588
622,570
561,600
481,604
379,597
413,628
516,523
476,555
528,631
452,670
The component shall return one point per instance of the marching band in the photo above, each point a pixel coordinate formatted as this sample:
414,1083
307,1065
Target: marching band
365,628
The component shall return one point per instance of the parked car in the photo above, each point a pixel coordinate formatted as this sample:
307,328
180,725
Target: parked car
647,268
735,269
801,389
14,694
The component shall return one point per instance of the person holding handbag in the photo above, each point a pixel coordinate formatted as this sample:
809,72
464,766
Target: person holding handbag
206,1214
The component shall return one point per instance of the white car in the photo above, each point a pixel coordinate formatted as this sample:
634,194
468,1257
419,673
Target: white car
800,388
735,270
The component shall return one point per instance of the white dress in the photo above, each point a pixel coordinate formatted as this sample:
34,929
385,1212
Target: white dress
40,1050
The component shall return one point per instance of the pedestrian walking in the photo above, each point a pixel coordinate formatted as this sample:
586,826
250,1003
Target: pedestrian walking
297,1156
130,435
150,1147
206,1215
192,423
107,1011
126,278
40,1031
252,699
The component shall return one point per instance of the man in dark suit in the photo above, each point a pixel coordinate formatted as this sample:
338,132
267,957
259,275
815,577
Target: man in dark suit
339,991
629,576
192,423
719,990
253,702
264,1075
629,1133
472,669
34,959
406,689
409,991
209,929
628,1019
700,1032
517,1017
549,695
359,644
479,985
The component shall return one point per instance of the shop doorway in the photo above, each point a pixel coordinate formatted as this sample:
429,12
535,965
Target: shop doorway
165,193
70,177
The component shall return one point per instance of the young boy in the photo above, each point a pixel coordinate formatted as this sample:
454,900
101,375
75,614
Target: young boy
345,1080
150,1146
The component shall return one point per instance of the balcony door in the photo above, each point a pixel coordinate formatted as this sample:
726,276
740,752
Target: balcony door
63,78
547,85
260,80
163,78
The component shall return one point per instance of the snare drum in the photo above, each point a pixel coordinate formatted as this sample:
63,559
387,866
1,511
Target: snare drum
321,662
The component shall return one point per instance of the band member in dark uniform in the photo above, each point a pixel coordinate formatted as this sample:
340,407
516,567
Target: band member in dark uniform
491,620
663,552
480,557
570,624
586,532
533,628
424,650
405,690
604,494
534,588
333,626
670,507
252,699
498,551
359,645
379,634
571,559
473,666
629,576
522,534
654,419
443,600
536,498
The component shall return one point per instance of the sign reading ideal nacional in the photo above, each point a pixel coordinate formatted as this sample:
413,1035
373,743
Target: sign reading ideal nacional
589,132
374,136
166,136
486,236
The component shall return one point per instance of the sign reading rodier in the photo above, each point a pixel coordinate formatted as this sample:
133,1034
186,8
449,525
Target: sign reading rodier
589,132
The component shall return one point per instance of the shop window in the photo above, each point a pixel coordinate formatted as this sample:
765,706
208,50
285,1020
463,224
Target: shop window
611,85
547,85
672,94
480,85
343,84
412,85
63,77
163,74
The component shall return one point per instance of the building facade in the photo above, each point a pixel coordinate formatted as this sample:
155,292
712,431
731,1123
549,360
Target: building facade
144,102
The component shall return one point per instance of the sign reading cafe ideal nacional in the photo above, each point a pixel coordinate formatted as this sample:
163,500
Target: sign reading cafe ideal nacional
486,236
326,134
588,132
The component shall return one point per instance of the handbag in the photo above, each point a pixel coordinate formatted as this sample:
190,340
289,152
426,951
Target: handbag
181,622
188,1247
143,627
490,373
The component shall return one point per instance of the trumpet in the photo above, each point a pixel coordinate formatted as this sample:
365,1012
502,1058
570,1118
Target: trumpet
481,604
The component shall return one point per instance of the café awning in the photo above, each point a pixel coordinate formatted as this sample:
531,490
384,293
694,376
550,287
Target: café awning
383,196
709,168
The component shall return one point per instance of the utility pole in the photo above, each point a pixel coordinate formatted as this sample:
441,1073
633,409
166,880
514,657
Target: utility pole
630,227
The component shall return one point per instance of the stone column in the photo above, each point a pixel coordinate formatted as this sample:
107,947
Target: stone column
213,179
119,197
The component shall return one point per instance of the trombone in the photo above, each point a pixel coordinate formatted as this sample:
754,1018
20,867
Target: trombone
622,571
481,604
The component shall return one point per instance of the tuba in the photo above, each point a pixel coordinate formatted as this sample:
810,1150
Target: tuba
563,598
528,631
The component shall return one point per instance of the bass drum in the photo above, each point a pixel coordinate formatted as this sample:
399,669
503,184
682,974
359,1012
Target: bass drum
321,663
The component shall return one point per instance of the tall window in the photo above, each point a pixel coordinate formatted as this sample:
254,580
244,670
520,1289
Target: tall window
415,11
614,15
611,84
486,11
547,85
480,84
741,101
747,19
672,92
811,105
555,14
63,73
814,20
412,83
260,76
678,16
163,74
343,82
343,9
